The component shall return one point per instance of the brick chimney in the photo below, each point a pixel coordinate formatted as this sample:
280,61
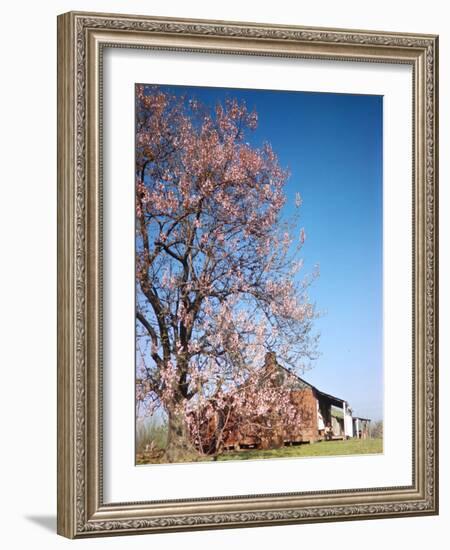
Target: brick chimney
270,359
270,362
272,370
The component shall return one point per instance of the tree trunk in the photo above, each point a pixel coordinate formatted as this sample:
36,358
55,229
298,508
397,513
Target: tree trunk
179,445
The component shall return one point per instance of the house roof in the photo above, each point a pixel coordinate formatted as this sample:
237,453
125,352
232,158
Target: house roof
338,402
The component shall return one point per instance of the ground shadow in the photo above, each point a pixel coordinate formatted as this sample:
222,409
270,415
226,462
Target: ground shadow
47,522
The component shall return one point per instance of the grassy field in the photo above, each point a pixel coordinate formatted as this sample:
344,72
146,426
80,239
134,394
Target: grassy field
321,448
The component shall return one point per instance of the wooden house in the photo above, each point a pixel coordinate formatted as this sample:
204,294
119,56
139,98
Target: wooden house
320,416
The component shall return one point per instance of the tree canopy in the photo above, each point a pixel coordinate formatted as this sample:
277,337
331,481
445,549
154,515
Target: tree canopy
217,267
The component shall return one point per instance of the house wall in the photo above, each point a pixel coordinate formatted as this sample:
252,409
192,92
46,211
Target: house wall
304,429
337,425
306,402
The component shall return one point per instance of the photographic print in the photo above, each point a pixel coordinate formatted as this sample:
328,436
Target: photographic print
258,274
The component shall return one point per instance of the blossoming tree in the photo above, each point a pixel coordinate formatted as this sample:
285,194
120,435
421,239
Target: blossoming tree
216,268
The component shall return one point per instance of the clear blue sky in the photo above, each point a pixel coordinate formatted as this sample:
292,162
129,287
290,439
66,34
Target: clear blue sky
332,144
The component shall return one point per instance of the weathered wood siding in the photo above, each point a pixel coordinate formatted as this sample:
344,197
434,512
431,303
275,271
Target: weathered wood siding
237,436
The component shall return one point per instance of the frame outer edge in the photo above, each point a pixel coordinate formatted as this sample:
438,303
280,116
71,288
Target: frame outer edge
66,524
75,206
436,165
435,215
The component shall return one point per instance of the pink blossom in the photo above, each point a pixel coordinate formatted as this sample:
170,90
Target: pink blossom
216,268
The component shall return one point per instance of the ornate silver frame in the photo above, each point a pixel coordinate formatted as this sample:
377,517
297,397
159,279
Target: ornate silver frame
81,38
